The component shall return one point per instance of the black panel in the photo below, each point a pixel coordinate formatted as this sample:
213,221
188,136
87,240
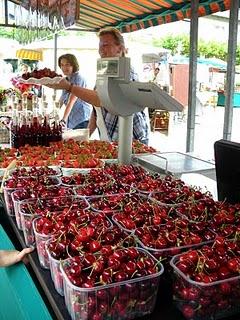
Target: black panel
227,161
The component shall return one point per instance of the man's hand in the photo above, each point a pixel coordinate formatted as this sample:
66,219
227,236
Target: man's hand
10,257
63,85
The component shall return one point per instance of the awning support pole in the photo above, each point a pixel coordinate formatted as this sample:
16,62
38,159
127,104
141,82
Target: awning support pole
192,76
230,77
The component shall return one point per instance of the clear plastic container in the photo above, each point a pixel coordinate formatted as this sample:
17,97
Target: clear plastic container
115,239
49,181
7,193
112,203
36,171
120,300
60,190
101,189
205,301
26,222
32,208
40,241
107,204
16,211
56,273
70,171
77,134
170,250
158,214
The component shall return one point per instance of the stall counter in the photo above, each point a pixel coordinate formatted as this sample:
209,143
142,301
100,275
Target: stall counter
18,291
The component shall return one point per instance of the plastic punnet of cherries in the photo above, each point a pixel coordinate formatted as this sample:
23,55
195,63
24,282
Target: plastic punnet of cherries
122,285
207,280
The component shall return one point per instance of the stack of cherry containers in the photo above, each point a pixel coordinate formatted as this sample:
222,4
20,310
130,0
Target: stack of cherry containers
107,235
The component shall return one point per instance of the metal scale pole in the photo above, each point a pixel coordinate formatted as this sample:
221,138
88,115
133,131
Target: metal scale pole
125,125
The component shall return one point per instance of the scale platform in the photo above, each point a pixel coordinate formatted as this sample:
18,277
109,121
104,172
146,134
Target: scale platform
175,163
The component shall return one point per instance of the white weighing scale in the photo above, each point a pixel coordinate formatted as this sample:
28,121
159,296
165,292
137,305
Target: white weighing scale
123,97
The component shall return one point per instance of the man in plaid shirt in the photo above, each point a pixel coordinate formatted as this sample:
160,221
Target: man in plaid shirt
111,44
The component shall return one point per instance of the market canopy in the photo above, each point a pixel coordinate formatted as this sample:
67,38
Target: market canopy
133,15
29,54
92,15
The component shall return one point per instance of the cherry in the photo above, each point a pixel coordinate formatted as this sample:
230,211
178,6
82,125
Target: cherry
234,264
130,267
120,276
188,311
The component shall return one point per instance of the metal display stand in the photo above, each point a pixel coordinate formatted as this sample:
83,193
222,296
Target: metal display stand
175,163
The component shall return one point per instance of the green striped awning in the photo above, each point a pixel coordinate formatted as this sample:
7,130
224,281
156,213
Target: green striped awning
132,15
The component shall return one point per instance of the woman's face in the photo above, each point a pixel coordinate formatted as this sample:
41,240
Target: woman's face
66,67
108,47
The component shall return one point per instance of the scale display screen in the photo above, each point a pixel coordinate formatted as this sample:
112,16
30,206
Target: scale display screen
108,67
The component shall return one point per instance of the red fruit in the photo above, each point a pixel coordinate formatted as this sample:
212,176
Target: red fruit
225,288
89,259
223,272
234,264
211,264
97,316
114,263
94,246
89,283
120,276
130,267
188,311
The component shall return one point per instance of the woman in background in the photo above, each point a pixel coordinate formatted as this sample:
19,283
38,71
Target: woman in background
77,111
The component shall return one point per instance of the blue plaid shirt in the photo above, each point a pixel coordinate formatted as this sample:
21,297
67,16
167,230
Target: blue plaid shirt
140,123
81,110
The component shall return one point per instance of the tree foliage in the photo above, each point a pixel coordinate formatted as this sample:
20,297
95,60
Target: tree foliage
176,43
209,49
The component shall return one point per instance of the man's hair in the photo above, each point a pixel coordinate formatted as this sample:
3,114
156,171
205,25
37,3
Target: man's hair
71,59
119,40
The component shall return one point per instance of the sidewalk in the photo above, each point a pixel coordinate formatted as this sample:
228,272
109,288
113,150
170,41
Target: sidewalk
208,129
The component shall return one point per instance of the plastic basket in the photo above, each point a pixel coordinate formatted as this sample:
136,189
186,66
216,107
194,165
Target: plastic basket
205,301
122,300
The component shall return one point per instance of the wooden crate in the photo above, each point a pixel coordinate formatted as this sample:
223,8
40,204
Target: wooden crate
159,120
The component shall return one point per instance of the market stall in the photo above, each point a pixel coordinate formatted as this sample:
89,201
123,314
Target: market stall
70,203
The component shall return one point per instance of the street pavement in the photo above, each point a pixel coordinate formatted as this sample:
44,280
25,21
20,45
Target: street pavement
208,129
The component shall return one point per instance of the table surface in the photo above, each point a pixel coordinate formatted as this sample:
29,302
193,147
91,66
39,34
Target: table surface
164,309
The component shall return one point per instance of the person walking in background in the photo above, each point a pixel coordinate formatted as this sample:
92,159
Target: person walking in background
111,44
10,257
155,75
77,112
